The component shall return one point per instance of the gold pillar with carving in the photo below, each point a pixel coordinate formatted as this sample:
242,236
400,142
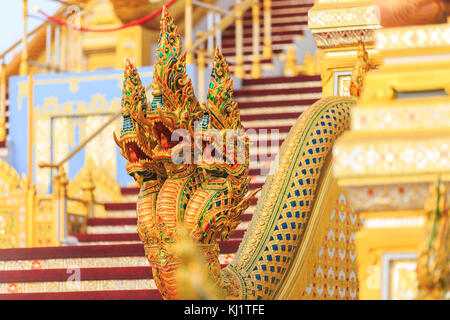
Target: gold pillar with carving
239,27
396,149
338,26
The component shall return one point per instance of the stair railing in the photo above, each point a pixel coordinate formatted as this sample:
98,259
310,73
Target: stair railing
201,48
74,222
3,102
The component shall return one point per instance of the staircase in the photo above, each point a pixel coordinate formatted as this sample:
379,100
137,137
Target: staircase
288,20
109,261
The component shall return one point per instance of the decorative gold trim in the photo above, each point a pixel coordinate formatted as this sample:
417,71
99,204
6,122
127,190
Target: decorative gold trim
73,285
346,16
298,275
406,114
435,38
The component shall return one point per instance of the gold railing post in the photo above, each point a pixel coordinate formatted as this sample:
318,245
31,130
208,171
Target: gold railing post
290,63
30,127
3,102
88,188
256,66
239,34
201,74
56,189
31,198
62,203
188,31
23,69
60,58
267,52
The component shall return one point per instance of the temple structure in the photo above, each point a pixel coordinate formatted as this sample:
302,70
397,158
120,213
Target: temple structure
346,109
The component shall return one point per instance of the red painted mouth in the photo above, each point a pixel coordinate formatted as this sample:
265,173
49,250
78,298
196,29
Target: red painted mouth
135,153
164,136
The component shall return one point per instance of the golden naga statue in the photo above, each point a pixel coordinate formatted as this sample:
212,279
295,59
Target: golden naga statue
191,162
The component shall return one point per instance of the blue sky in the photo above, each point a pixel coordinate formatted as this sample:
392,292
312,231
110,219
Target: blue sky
11,23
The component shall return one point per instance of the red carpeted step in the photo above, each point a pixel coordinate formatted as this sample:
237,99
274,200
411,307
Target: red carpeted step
129,190
248,15
232,44
287,5
90,251
120,206
86,274
274,33
273,116
245,62
229,246
125,236
247,51
273,92
87,295
265,143
111,221
255,185
107,237
255,172
248,25
276,103
269,129
278,80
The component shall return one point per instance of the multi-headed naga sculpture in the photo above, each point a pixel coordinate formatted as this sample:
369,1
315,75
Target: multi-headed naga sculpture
191,161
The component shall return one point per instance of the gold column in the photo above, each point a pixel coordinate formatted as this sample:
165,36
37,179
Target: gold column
201,74
290,63
62,203
256,66
62,63
239,30
3,102
338,33
24,57
188,31
88,195
31,193
267,52
30,187
30,129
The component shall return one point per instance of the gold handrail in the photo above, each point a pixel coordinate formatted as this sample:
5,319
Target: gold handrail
20,41
81,145
226,21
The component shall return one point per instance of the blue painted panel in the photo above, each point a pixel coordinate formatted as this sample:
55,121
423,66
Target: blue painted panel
68,95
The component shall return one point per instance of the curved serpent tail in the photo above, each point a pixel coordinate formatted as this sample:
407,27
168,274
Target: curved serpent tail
287,199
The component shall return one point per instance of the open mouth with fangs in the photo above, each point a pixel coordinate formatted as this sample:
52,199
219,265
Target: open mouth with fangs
135,152
164,136
167,142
